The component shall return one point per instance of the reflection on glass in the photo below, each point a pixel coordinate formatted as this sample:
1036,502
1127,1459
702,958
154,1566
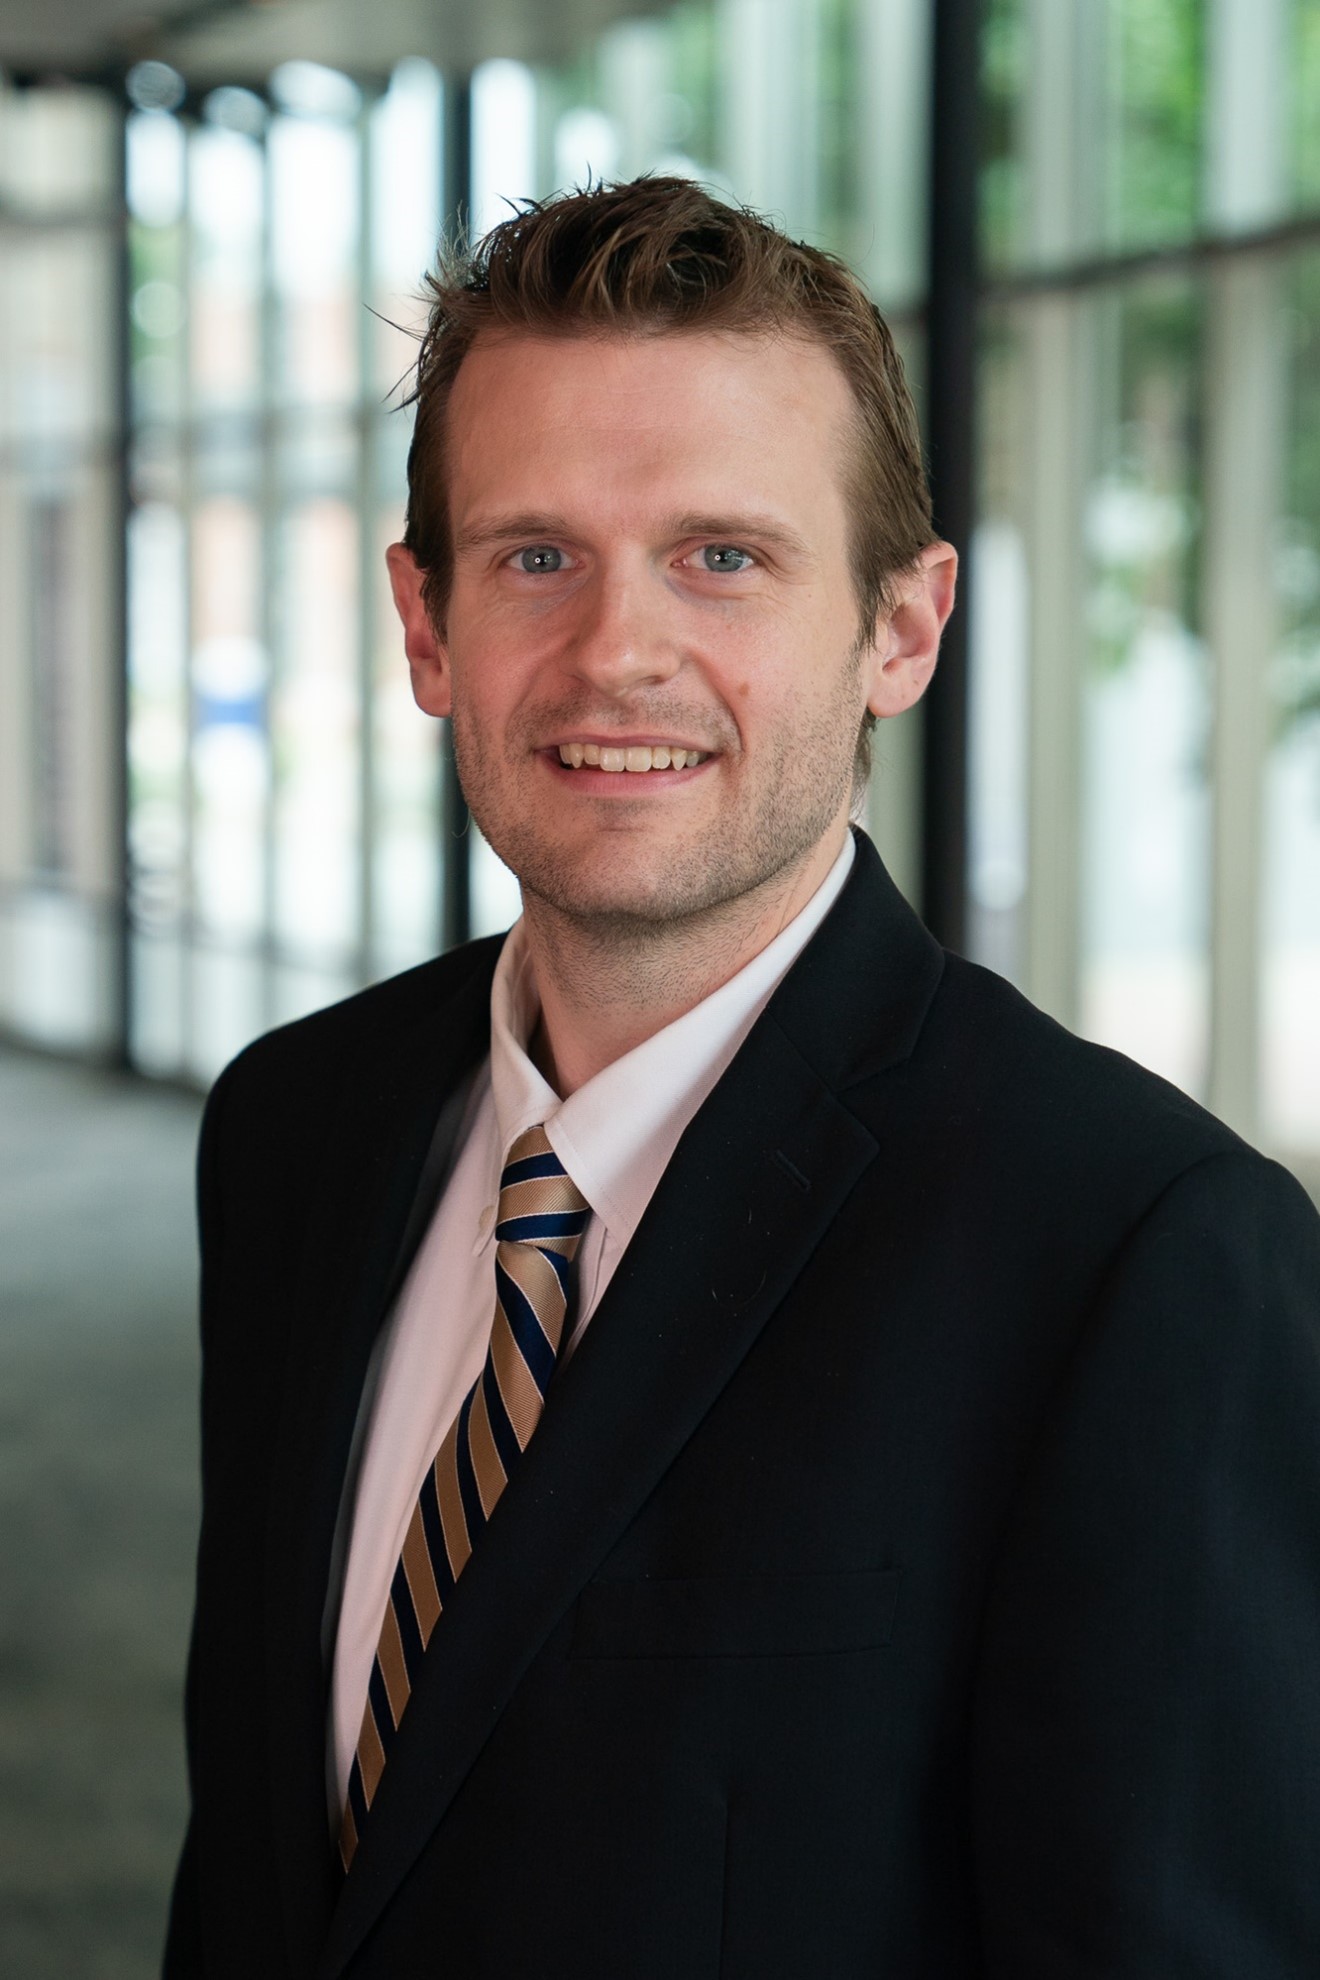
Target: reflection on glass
1290,988
1156,54
1303,72
1005,43
314,230
496,895
1145,885
157,713
405,138
314,724
999,641
503,140
56,291
229,751
157,191
406,846
57,149
225,303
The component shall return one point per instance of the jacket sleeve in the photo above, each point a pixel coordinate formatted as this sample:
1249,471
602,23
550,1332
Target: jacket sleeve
1146,1733
184,1957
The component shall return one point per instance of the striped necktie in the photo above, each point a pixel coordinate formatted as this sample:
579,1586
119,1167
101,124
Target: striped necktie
541,1219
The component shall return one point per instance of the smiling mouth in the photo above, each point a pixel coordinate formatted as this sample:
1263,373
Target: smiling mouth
636,757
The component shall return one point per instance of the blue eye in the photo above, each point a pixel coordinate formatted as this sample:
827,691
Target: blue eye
539,557
720,557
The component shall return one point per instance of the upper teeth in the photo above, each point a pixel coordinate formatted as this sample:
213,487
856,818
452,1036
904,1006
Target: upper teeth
661,756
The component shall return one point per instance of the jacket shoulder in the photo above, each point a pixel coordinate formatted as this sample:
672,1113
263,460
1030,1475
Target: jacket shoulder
289,1084
1003,1107
318,1042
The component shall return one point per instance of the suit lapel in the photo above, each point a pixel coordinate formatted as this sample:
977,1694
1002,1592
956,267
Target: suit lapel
755,1184
386,1155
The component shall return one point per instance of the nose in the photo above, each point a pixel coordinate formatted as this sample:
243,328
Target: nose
622,638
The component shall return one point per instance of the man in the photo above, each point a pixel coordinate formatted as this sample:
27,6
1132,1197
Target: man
732,1445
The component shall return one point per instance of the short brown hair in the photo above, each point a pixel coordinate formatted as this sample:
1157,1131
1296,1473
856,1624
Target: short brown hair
656,255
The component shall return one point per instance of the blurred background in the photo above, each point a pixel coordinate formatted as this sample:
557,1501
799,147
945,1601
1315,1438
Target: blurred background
1095,228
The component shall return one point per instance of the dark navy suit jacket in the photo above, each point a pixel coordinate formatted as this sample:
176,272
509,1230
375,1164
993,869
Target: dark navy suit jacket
915,1573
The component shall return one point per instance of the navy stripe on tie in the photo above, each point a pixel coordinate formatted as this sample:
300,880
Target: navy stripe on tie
526,1329
552,1232
506,1443
410,1636
545,1224
357,1796
563,1271
530,1169
380,1707
467,1477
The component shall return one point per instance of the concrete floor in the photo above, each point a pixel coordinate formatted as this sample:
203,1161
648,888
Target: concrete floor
98,1508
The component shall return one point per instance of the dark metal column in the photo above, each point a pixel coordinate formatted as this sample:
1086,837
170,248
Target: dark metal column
456,875
950,424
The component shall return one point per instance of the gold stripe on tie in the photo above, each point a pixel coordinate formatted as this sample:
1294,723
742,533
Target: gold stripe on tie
371,1755
452,1517
389,1652
540,1212
522,1398
420,1576
485,1457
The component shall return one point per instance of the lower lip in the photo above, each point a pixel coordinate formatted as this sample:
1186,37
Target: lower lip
621,783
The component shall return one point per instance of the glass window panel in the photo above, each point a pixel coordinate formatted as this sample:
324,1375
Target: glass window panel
887,135
156,165
503,140
643,98
314,234
318,454
227,194
1000,650
295,992
230,754
770,79
1005,78
1144,969
57,149
315,727
1304,101
56,305
227,1008
496,897
156,1003
1157,58
226,458
61,960
405,134
1290,1041
157,713
406,791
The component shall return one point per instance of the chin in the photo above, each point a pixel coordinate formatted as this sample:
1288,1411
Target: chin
620,895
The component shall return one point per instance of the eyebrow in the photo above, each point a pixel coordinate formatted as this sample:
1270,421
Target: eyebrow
531,524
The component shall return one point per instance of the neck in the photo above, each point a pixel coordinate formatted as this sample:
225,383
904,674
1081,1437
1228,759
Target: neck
608,984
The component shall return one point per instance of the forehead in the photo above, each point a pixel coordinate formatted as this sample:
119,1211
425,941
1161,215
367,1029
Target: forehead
537,418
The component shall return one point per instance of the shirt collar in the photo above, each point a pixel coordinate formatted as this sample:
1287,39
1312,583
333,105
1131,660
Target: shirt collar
615,1135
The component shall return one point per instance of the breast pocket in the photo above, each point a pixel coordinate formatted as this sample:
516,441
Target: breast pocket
804,1615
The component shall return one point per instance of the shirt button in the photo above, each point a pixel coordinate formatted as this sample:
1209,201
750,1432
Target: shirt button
487,1218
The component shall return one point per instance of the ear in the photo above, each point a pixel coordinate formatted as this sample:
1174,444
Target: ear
428,656
907,640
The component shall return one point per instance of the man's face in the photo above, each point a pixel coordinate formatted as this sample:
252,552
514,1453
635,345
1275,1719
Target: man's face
650,569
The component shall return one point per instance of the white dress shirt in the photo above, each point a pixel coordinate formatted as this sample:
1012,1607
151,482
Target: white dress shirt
614,1136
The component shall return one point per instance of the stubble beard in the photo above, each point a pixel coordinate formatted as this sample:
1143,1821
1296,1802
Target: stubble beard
799,793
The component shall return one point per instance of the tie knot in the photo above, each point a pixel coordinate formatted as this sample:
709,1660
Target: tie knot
540,1203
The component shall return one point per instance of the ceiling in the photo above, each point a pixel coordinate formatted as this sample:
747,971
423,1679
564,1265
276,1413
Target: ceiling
213,41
